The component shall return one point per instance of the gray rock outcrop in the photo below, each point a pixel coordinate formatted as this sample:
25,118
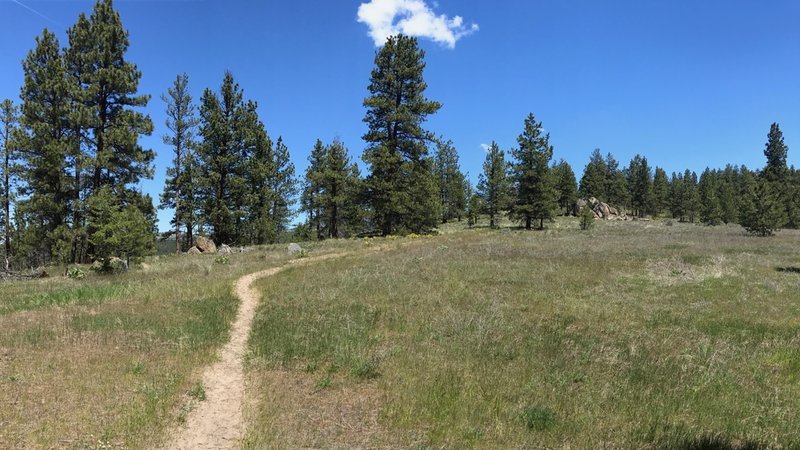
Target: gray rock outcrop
295,249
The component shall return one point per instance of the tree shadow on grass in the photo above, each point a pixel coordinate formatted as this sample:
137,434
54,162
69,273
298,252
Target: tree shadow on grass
788,269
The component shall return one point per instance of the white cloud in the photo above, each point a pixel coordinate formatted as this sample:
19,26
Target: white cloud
413,18
486,147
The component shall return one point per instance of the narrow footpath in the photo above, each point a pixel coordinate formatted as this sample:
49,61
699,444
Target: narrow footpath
216,423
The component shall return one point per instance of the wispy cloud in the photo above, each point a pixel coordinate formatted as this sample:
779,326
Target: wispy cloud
36,12
413,18
486,147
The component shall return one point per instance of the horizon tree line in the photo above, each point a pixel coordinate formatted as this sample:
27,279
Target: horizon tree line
71,161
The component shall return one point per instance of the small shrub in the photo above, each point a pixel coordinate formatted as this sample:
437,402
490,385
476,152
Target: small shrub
324,383
222,260
586,217
76,273
365,369
537,418
198,392
136,369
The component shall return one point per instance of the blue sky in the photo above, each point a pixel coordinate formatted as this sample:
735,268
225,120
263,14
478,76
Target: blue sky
688,84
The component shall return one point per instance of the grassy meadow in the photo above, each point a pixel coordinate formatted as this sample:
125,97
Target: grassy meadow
631,335
114,361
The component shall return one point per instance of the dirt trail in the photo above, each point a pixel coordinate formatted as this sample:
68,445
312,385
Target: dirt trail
216,423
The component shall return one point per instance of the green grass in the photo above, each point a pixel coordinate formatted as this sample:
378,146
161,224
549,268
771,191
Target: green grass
115,360
632,335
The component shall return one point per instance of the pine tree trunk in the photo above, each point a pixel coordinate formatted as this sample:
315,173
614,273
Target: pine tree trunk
77,244
527,223
6,200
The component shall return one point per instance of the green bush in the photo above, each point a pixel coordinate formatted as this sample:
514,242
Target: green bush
537,418
586,217
76,273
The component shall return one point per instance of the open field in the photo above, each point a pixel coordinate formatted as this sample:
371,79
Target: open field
114,361
632,335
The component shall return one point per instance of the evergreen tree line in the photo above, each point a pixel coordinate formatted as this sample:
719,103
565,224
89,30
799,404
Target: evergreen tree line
71,158
228,179
71,161
528,188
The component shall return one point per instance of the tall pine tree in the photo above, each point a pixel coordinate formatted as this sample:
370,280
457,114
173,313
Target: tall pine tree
451,182
640,184
8,123
776,152
47,147
660,192
710,207
222,154
339,205
535,194
284,188
312,188
178,189
594,180
400,186
566,186
494,186
104,92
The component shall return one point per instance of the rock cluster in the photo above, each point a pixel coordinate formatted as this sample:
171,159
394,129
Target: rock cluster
600,209
204,245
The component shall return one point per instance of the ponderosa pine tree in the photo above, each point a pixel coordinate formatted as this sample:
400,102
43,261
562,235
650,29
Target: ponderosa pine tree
710,208
792,199
8,124
639,180
401,187
535,196
451,181
46,147
178,190
778,173
660,192
284,187
691,196
474,206
761,210
776,152
677,194
494,186
312,188
727,193
338,199
616,185
223,155
259,174
566,185
594,182
104,93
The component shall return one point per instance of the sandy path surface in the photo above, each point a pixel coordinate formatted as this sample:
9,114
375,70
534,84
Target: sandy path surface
216,423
